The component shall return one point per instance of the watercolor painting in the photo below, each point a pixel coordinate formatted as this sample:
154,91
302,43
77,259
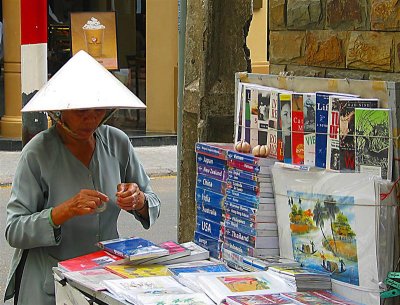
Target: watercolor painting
241,283
322,232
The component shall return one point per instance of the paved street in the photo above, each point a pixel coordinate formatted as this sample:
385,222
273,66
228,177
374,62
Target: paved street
160,164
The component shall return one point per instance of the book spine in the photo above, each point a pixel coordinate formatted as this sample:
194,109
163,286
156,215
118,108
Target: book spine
211,151
212,172
321,128
332,144
239,116
247,239
286,124
211,244
209,228
309,107
206,197
247,188
254,117
247,115
245,175
210,161
242,157
263,105
238,247
239,210
214,185
272,140
210,212
244,166
297,129
239,224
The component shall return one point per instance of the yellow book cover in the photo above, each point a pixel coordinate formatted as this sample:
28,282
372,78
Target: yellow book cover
133,271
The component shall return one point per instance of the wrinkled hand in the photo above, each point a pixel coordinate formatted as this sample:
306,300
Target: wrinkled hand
86,202
129,196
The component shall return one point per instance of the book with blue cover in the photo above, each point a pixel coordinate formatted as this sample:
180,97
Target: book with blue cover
211,184
215,150
210,161
201,268
210,212
209,198
212,172
133,248
213,245
210,228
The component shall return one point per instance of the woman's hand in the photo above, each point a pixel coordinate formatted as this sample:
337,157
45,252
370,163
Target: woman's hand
85,202
129,197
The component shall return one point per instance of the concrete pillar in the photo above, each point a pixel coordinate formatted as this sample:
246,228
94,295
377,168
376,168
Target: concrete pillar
11,122
216,33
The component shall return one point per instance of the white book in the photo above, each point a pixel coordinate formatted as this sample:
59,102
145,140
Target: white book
197,298
92,278
218,286
130,289
196,253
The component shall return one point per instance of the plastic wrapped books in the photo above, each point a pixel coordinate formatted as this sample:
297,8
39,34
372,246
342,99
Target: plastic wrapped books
91,279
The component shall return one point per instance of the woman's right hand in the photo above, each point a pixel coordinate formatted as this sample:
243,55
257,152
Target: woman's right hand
85,202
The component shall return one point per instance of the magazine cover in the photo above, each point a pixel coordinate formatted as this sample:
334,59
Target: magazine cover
321,224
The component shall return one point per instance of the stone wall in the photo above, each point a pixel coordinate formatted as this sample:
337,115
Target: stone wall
358,39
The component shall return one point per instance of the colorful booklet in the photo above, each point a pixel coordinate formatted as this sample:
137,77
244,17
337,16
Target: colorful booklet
89,261
219,286
175,251
216,267
197,253
133,248
133,271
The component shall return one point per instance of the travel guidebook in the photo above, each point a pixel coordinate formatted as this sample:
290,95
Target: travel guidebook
325,213
175,251
133,248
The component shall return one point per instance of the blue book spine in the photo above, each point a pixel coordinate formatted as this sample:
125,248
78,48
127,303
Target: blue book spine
247,158
211,244
210,212
242,202
321,128
215,151
209,228
246,197
247,115
243,187
212,172
232,178
206,197
239,210
247,239
241,225
210,161
214,185
238,247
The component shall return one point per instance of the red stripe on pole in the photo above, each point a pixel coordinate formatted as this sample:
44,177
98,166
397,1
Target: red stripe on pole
33,21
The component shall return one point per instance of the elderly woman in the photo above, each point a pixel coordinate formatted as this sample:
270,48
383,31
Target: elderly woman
72,181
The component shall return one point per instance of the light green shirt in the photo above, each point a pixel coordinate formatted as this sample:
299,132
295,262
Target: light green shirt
49,174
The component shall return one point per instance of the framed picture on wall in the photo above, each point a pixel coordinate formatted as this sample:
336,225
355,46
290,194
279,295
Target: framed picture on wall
95,33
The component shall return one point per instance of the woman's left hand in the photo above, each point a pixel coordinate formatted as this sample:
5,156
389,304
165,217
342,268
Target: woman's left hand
129,196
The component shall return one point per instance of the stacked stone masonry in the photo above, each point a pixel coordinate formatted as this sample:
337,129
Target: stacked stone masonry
357,39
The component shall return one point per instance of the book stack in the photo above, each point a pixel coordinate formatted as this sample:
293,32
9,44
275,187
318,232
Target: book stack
210,195
250,225
302,279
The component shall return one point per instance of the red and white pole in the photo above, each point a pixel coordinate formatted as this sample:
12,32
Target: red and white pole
33,62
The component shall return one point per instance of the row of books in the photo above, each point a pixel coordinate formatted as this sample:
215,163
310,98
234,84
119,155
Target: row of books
336,131
235,202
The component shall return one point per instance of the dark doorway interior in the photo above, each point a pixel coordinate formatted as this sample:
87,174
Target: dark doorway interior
131,40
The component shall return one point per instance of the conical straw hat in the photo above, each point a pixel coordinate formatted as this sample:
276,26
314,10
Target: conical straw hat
80,84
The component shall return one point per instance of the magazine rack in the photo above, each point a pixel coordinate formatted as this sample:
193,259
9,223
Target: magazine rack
387,92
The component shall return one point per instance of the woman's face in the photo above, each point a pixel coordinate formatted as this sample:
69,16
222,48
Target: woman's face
82,123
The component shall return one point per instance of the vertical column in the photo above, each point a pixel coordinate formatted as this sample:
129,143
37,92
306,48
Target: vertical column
33,62
10,123
215,49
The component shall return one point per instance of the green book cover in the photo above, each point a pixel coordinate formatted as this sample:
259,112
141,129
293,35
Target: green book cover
373,141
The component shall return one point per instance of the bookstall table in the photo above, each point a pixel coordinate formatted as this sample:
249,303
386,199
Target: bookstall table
71,292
